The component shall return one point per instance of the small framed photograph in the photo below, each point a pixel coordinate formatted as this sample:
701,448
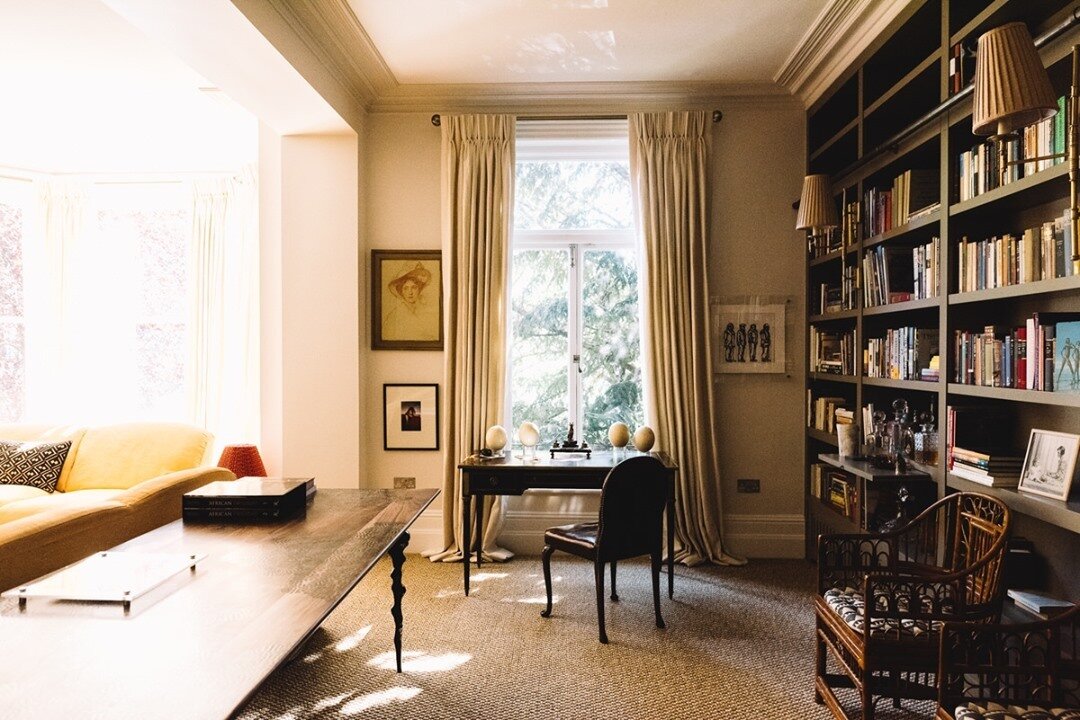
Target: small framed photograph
406,300
1049,464
411,417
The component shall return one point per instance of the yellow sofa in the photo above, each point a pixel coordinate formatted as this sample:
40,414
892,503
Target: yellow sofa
118,481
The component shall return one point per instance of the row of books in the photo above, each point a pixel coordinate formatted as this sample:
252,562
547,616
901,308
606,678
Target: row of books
992,470
834,488
1041,253
896,274
913,193
961,67
826,412
832,352
991,164
979,445
1043,354
902,354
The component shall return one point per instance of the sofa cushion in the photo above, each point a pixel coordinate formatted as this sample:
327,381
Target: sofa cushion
849,605
14,493
993,711
120,456
57,501
37,464
47,433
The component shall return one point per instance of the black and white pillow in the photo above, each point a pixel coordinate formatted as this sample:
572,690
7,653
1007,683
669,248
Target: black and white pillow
37,464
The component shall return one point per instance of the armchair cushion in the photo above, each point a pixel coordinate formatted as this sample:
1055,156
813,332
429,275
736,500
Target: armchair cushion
849,604
993,711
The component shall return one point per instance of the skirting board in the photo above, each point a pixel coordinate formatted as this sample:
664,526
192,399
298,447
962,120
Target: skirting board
751,536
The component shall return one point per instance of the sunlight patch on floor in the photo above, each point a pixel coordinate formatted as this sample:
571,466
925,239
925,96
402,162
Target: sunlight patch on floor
348,642
449,592
482,576
538,600
330,702
419,661
380,698
313,657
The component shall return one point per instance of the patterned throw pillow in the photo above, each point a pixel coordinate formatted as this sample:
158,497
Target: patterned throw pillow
37,464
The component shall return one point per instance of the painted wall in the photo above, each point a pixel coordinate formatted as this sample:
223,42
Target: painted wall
757,167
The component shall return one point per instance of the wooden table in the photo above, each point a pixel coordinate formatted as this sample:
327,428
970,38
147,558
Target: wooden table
509,475
199,646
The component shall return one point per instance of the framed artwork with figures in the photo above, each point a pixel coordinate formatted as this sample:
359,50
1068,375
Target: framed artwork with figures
406,300
749,338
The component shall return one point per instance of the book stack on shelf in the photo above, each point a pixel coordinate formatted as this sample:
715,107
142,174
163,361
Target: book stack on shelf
896,274
830,299
980,168
842,494
961,67
1041,606
992,470
902,354
832,352
819,473
914,193
828,241
823,413
1041,253
1043,354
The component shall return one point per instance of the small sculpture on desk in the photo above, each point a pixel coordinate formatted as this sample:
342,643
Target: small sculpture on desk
570,445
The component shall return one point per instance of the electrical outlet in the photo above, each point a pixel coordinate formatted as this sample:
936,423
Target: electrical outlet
748,485
404,483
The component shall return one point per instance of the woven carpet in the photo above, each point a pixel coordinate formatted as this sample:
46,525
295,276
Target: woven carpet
738,645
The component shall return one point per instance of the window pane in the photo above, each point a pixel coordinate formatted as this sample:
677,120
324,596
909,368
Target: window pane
572,195
11,261
12,372
610,343
540,351
12,333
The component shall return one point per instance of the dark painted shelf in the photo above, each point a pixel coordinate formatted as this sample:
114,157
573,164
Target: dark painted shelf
1040,287
906,306
1056,512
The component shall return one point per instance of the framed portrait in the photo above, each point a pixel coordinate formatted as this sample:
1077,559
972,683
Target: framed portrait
410,417
1049,464
406,300
750,338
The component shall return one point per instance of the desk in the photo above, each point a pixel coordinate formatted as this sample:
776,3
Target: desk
199,646
513,476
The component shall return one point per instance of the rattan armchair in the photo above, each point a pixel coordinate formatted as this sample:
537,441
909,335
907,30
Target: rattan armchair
1029,671
883,598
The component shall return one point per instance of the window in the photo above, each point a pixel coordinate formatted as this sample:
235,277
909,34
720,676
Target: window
12,303
575,335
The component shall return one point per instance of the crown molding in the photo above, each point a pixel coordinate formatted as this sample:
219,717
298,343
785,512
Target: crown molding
839,34
332,32
583,97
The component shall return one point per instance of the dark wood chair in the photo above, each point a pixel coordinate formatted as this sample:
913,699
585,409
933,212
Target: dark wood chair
883,598
630,525
1029,671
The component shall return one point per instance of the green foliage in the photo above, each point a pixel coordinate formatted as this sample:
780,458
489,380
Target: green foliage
568,195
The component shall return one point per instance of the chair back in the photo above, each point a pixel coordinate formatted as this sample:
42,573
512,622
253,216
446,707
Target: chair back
631,509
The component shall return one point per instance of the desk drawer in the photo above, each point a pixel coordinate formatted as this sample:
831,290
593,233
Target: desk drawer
496,483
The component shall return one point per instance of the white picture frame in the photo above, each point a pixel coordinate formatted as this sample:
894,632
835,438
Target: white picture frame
1049,464
750,338
411,417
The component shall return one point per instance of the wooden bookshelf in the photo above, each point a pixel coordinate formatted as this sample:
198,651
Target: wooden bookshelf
888,85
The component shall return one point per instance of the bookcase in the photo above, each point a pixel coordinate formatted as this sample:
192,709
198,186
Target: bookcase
906,105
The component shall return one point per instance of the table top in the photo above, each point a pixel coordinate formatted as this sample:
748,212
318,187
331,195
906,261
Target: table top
562,463
202,643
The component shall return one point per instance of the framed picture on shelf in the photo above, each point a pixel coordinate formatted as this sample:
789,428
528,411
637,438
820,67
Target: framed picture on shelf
406,300
1049,464
410,417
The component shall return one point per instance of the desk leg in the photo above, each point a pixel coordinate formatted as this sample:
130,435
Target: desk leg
397,556
671,543
479,530
466,532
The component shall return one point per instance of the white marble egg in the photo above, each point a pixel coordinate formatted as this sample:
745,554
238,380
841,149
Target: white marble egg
529,434
495,438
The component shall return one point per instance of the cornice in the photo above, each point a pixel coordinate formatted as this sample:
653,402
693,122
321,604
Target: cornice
583,97
330,30
839,34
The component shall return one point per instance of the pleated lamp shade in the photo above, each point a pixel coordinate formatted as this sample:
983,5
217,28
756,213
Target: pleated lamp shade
1012,89
243,460
816,206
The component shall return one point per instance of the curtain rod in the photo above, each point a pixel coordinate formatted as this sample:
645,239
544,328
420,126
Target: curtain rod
436,119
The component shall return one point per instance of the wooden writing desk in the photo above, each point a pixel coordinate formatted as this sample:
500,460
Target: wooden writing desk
509,475
199,646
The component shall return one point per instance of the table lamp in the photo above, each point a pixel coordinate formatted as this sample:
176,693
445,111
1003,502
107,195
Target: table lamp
242,460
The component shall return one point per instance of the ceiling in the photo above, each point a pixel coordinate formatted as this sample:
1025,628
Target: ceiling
535,41
84,91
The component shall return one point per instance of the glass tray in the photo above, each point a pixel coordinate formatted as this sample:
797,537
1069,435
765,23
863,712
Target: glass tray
107,577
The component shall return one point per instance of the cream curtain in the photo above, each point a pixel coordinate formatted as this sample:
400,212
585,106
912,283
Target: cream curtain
668,172
478,180
223,355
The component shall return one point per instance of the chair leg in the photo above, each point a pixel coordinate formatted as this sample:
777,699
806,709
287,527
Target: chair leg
598,571
819,666
866,695
546,557
614,595
657,561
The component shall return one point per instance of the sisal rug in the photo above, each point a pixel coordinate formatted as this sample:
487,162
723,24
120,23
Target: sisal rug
738,646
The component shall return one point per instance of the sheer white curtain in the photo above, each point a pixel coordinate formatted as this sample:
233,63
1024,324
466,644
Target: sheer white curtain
223,331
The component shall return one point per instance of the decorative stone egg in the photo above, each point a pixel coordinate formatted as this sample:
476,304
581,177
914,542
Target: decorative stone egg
644,438
618,434
495,438
529,434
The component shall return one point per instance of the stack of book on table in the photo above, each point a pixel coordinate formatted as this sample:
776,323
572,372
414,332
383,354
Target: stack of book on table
1039,605
993,470
248,500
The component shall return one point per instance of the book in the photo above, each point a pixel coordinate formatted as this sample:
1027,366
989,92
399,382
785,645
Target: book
1039,604
967,473
1067,358
248,499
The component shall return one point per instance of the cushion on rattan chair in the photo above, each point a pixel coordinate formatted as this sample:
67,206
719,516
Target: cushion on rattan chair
848,604
993,711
